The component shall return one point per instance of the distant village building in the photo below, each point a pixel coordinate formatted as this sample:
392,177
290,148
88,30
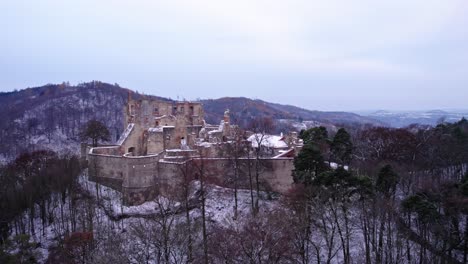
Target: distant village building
161,136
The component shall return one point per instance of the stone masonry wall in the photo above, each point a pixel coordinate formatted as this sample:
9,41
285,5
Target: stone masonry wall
140,184
134,176
107,170
275,174
170,177
142,178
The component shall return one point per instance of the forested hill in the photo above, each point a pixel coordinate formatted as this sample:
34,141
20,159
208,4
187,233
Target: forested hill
51,116
243,109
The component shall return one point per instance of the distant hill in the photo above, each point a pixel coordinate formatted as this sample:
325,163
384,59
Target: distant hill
244,109
406,118
51,116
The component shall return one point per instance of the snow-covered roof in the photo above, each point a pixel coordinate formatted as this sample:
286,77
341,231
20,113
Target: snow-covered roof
284,153
269,141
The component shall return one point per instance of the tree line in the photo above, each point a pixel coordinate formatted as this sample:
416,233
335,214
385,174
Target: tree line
404,194
32,186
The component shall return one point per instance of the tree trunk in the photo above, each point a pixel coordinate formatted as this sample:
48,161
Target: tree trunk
389,251
379,257
340,232
345,214
257,182
249,165
31,218
465,250
366,241
187,215
236,175
203,196
408,249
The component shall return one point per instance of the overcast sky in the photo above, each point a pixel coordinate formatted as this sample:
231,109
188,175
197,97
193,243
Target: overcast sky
325,55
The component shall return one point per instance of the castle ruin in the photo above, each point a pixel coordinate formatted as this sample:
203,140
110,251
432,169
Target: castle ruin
161,137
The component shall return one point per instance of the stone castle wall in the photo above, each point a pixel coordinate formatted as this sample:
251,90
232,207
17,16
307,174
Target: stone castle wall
142,178
140,183
107,170
135,177
170,177
275,174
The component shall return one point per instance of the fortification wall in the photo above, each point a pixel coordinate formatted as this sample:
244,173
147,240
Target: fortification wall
141,171
139,184
108,150
279,175
107,170
170,176
275,174
142,178
133,176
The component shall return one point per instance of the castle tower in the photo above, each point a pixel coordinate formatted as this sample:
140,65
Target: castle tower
227,118
226,124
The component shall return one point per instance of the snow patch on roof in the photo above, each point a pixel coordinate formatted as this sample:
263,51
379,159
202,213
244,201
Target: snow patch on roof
283,153
269,141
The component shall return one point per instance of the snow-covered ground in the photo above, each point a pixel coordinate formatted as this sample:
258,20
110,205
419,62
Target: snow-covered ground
58,143
219,211
3,160
304,125
219,202
114,221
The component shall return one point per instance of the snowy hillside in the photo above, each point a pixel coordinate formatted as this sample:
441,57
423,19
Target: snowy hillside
244,109
51,116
